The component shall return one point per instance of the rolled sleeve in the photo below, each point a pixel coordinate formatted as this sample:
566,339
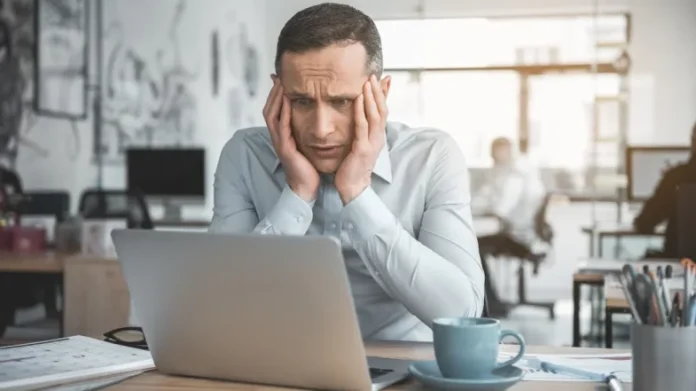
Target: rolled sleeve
291,215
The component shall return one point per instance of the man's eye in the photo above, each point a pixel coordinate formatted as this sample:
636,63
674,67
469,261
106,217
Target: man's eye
301,101
341,102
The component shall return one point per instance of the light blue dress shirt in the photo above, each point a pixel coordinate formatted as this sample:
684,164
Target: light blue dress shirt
408,240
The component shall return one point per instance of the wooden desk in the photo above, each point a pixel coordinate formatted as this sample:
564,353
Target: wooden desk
615,301
410,351
95,296
598,232
592,272
44,262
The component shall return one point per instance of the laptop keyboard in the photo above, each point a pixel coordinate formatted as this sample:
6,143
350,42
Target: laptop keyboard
376,372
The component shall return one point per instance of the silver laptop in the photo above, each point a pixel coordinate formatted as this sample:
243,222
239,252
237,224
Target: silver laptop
248,308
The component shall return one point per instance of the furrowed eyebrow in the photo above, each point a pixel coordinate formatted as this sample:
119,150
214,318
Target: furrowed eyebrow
300,95
297,95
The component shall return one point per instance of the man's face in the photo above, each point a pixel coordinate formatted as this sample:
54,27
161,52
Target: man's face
322,85
502,154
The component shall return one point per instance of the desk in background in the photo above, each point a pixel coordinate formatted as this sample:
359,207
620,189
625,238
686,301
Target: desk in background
402,350
598,233
593,272
95,295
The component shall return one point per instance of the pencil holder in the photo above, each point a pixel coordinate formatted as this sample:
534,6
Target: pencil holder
664,358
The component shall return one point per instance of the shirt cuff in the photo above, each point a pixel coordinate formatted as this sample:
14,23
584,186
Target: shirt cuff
291,215
366,216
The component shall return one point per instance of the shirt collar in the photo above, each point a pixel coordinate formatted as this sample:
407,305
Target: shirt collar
382,168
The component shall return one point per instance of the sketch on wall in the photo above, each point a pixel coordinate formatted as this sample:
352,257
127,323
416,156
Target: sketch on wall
243,69
147,98
17,62
61,58
250,57
215,62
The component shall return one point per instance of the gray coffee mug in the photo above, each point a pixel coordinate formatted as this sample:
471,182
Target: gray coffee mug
467,348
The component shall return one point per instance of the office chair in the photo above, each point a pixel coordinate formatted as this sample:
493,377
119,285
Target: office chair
46,203
116,204
545,234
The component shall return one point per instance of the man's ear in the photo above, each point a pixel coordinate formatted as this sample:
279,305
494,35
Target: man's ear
385,84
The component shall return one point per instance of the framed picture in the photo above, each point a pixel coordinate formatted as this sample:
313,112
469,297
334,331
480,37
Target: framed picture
61,53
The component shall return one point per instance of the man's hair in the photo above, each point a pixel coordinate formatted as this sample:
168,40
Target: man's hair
325,24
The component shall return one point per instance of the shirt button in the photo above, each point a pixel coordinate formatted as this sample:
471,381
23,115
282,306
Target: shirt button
300,219
349,226
332,225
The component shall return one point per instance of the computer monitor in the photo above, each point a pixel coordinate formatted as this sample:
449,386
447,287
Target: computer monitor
173,177
645,166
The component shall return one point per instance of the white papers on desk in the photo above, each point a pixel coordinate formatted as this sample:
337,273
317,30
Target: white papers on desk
619,365
68,360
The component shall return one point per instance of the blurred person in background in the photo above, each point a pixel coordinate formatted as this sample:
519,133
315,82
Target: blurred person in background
662,206
513,193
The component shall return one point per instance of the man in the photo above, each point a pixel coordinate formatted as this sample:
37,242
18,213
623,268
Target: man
513,194
661,206
328,163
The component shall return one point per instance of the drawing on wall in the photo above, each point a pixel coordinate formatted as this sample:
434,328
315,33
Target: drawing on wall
61,58
148,100
242,66
17,117
215,62
250,57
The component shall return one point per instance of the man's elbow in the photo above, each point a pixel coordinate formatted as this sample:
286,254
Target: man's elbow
467,301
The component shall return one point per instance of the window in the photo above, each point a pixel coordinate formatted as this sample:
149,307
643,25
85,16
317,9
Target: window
468,77
473,107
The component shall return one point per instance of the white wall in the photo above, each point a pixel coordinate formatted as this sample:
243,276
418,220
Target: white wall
663,50
146,27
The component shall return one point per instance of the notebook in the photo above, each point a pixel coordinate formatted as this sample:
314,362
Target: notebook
67,360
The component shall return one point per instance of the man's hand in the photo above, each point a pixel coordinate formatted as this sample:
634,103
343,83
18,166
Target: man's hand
355,173
301,176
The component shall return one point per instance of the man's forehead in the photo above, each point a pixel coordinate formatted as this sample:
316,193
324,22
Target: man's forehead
337,67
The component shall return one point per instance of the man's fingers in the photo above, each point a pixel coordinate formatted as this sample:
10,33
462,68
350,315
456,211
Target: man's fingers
361,125
380,99
284,128
275,99
269,100
371,110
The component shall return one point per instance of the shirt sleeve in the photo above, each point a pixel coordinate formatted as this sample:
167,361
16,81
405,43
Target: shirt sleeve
233,207
439,273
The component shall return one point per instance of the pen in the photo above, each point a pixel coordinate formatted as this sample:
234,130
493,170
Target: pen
613,383
659,307
664,293
692,311
674,314
687,288
638,318
668,272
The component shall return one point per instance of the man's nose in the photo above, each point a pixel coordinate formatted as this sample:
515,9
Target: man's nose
323,123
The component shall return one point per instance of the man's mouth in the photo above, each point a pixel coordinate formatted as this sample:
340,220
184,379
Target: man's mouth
326,151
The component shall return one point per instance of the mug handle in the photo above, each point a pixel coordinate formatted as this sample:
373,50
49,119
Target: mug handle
523,345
